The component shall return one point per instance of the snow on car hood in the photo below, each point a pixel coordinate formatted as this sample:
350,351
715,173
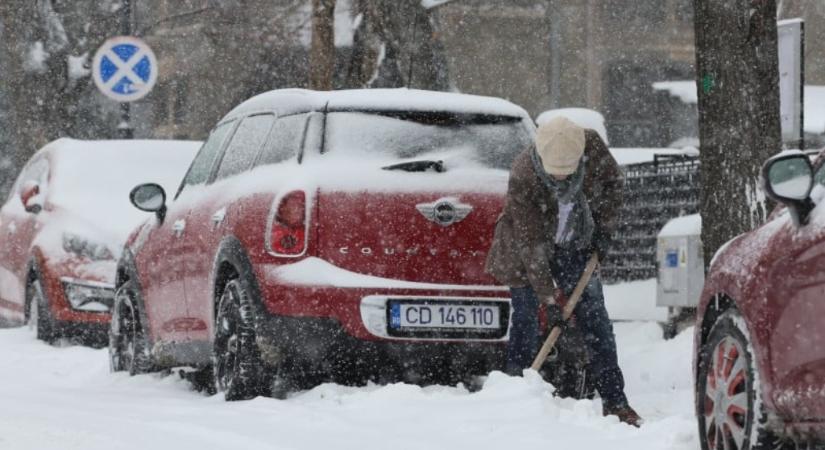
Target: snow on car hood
91,181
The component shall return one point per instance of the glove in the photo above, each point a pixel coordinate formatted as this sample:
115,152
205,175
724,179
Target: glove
555,317
559,297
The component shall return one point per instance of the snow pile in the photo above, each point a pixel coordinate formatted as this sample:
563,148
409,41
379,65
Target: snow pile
583,117
684,90
634,300
682,226
64,398
627,155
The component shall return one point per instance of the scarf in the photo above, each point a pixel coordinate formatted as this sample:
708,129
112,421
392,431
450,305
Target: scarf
575,221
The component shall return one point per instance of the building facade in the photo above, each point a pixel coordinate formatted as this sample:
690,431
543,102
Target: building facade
541,54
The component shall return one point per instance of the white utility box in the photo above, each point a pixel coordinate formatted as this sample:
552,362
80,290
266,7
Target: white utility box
681,265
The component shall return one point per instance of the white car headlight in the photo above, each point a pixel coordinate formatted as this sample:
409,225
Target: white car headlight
88,296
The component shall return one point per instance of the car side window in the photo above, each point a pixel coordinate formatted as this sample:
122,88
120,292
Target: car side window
285,140
201,166
245,145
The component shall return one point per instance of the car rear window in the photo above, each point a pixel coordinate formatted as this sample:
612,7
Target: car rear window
460,140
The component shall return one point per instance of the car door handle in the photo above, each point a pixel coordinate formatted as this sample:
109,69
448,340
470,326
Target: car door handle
218,217
178,227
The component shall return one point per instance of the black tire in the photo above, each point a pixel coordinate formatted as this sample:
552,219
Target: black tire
128,346
38,315
239,370
731,414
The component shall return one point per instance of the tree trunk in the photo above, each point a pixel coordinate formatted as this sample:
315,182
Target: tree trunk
739,127
397,44
322,53
44,99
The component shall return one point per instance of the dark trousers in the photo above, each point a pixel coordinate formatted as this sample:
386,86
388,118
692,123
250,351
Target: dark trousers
591,320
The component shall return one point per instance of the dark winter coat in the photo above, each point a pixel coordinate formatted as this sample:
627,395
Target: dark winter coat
523,244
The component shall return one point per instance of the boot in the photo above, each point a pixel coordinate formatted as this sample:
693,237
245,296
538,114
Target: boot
625,413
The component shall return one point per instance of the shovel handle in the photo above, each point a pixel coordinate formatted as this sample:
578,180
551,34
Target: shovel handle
550,342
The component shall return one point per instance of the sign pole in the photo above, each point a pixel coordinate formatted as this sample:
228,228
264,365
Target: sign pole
802,86
125,127
791,53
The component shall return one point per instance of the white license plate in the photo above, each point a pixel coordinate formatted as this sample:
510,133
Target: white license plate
419,315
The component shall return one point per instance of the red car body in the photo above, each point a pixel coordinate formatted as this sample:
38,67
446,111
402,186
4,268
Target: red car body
773,278
330,234
63,225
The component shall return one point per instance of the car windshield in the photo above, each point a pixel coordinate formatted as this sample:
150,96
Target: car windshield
458,140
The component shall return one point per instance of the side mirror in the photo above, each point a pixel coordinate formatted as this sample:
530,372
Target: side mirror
788,179
149,197
29,196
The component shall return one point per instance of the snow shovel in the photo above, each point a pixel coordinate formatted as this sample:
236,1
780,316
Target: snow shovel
547,347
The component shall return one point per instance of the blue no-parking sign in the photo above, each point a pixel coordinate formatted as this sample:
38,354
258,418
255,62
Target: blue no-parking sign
125,69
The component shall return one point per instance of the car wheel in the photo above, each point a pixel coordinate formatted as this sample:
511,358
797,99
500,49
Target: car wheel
128,347
39,318
239,370
730,410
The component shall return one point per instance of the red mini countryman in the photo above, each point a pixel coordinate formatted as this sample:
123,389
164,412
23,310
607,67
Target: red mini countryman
64,224
326,236
760,339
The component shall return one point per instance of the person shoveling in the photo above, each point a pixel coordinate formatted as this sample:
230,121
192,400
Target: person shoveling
562,207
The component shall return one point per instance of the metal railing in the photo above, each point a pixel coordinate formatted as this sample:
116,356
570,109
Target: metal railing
655,192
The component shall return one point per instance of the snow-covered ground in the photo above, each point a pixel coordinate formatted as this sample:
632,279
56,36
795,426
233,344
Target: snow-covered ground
634,301
65,398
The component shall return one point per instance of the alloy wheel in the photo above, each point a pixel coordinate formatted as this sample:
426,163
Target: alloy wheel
726,396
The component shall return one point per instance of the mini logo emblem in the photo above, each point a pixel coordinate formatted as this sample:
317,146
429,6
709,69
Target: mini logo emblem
445,211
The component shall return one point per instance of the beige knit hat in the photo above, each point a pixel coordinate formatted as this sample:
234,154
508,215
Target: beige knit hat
560,145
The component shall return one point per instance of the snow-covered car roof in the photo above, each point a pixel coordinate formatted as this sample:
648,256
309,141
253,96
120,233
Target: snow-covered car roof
286,101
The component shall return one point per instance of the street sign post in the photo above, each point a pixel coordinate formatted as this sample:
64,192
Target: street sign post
125,69
791,35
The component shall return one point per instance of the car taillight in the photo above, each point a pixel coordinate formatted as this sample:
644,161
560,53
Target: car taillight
288,235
